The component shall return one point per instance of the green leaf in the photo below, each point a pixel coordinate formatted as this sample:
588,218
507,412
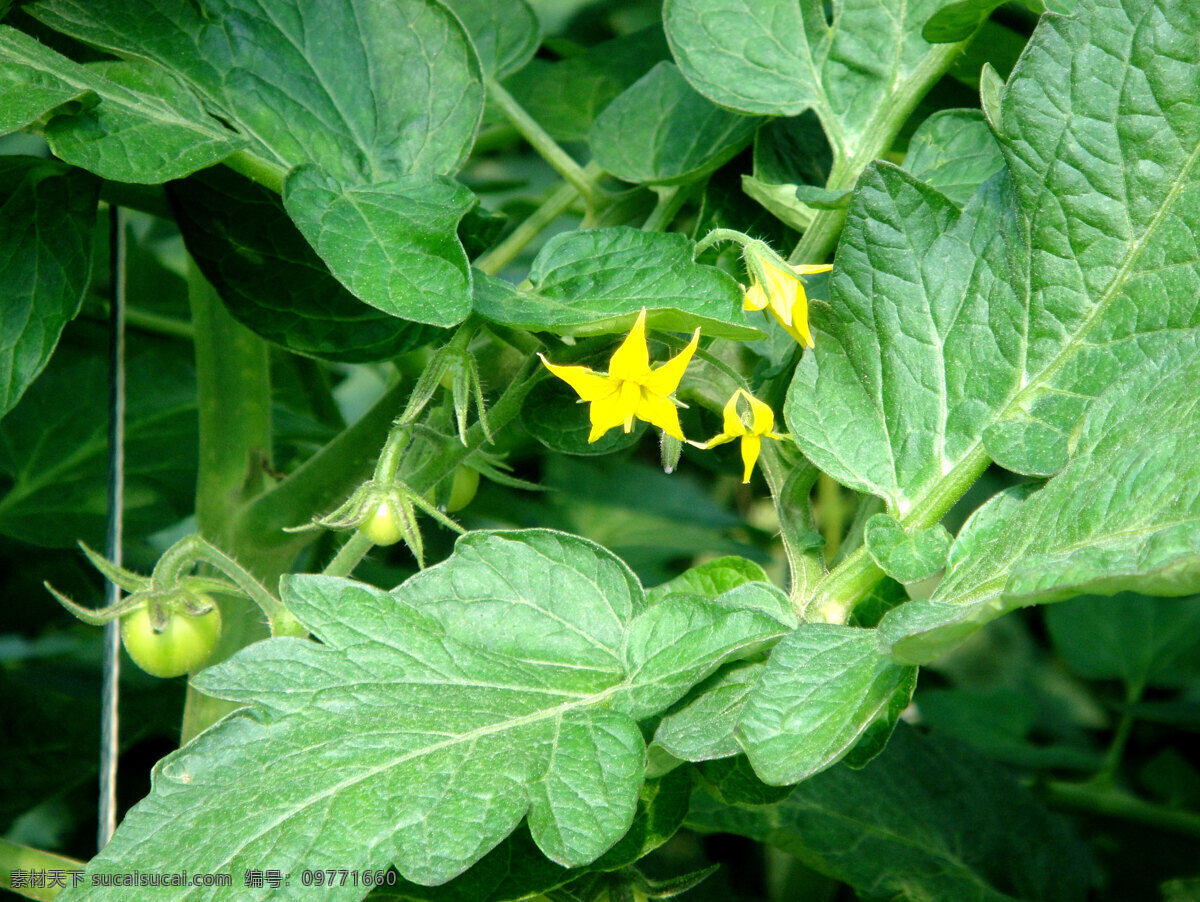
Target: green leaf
386,90
505,33
955,152
1129,637
906,555
702,727
595,282
271,280
927,819
533,648
660,131
393,244
1121,516
824,686
710,579
516,869
958,21
782,57
134,122
789,154
566,96
1002,323
54,446
47,216
734,782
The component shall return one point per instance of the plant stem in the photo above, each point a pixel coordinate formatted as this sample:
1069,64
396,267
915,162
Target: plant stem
851,580
819,239
1098,798
1116,749
349,555
554,206
234,405
670,200
269,175
540,140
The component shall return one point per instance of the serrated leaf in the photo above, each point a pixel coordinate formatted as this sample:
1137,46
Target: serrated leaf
272,281
1127,637
955,152
516,869
595,282
1123,515
393,244
55,448
47,216
906,555
505,33
927,819
1042,296
532,649
660,131
824,686
133,122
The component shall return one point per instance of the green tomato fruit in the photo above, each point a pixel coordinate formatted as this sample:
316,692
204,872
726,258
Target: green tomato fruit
381,527
462,492
181,647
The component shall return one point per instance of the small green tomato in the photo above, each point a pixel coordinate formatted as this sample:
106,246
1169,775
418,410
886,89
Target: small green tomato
180,647
381,527
462,492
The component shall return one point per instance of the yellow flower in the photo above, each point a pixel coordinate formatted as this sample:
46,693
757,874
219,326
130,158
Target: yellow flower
779,288
630,389
760,422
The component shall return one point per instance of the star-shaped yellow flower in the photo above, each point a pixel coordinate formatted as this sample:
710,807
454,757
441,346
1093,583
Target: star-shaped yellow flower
751,430
630,389
780,289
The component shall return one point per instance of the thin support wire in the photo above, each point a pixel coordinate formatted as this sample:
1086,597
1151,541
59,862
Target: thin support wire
109,734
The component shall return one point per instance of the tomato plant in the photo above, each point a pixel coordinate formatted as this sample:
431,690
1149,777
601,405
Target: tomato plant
607,426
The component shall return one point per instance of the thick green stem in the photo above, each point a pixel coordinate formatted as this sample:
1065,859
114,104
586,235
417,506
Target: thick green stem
234,401
857,574
540,140
820,238
1116,749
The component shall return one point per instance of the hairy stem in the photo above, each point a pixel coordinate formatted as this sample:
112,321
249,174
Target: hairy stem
234,400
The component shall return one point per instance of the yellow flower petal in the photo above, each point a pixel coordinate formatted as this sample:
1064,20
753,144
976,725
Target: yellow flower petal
763,416
784,291
755,298
658,411
631,397
811,269
719,440
605,413
751,445
799,327
632,359
589,385
664,380
733,422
